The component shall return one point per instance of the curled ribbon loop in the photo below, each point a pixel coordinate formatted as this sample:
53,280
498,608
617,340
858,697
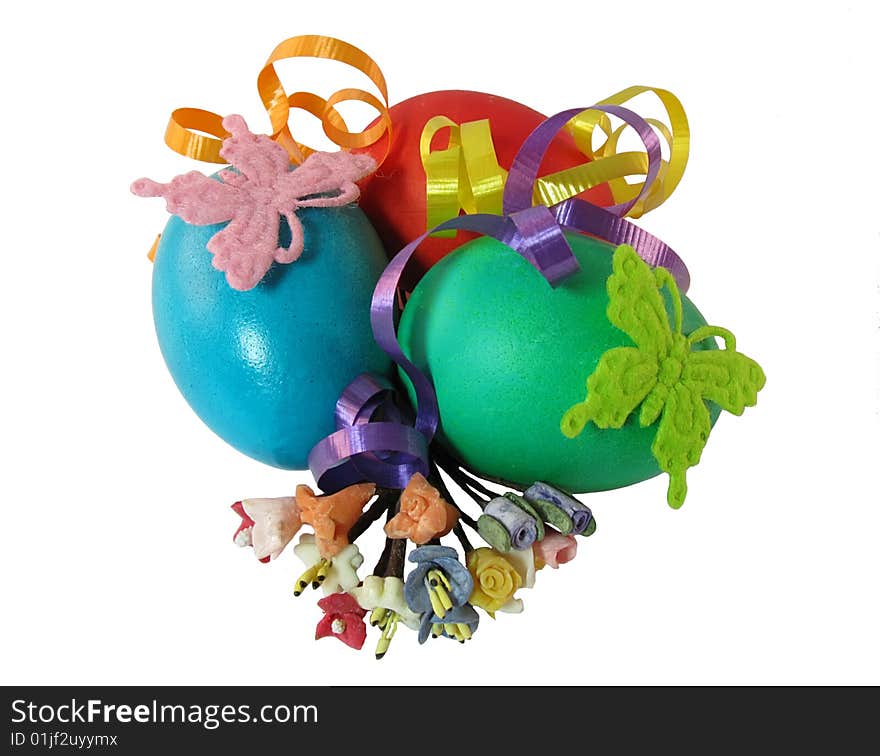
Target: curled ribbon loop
182,137
619,165
388,452
197,133
606,223
519,190
466,175
543,244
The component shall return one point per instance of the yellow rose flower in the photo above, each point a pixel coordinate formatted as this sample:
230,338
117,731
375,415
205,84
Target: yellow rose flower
495,579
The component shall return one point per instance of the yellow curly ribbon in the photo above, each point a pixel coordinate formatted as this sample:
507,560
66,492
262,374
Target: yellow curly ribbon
606,161
466,175
198,134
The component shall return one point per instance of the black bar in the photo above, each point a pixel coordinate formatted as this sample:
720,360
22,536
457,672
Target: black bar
455,720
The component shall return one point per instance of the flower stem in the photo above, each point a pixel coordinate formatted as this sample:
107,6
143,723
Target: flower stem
473,475
462,538
467,479
396,558
393,556
382,564
386,498
479,499
437,481
453,469
458,469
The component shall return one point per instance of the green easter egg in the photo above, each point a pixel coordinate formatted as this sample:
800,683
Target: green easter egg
509,354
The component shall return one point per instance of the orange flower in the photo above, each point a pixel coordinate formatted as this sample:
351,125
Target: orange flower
333,515
423,514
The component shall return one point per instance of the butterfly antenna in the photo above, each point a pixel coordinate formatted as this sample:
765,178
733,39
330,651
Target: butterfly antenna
665,278
706,332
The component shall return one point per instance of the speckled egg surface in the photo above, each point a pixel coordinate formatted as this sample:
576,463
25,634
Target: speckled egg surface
509,354
264,368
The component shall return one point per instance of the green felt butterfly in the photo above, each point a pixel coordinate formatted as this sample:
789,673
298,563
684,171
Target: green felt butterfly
662,372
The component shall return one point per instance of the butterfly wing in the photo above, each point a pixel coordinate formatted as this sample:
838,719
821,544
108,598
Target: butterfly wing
625,376
245,249
314,177
193,196
726,377
681,436
323,173
256,156
635,304
621,380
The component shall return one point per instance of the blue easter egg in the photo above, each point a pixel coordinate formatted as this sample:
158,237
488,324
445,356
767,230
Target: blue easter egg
263,368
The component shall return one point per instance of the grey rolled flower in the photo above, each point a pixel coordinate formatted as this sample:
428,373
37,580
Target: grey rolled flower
521,527
540,495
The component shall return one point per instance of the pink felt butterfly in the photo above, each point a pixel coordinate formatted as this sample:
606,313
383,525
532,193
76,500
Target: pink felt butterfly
255,196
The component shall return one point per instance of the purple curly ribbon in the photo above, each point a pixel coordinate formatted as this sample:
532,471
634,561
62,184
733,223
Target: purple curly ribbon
605,223
387,452
390,451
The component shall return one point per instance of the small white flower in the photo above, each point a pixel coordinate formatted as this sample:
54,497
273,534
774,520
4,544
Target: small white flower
342,575
523,561
276,522
514,606
385,593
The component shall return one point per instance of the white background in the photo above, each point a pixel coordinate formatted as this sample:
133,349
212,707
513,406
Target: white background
117,564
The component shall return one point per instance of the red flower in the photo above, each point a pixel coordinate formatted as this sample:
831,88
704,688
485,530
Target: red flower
343,619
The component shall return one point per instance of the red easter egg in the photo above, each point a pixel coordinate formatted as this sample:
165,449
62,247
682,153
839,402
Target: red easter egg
394,197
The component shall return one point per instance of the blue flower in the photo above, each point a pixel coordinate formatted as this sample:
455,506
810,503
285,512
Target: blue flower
459,624
439,582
